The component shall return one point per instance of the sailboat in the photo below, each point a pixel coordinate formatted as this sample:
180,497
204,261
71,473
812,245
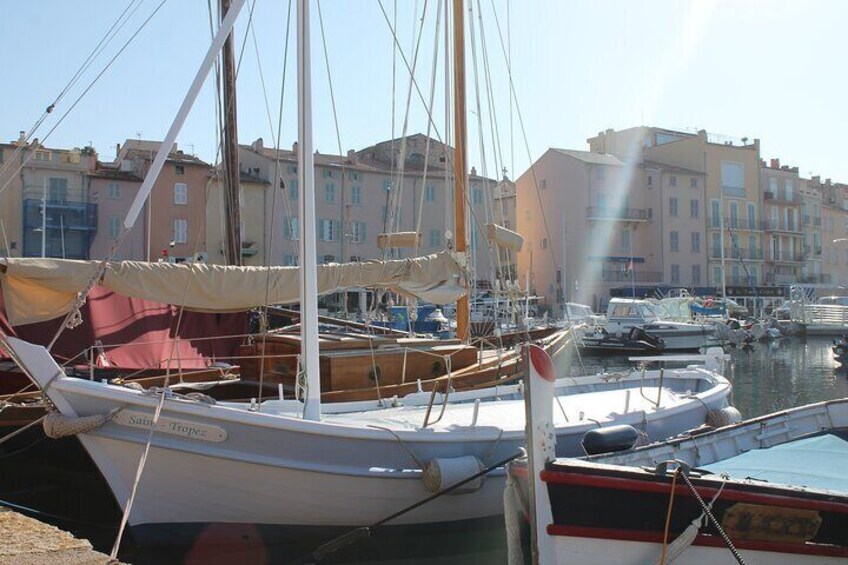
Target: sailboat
295,462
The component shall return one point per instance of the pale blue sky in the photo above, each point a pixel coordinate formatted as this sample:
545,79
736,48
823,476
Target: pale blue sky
765,69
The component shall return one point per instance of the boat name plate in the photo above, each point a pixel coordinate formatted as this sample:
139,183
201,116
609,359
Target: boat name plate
173,426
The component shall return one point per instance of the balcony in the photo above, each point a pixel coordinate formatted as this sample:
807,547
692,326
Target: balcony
610,213
781,226
731,253
789,258
734,223
634,276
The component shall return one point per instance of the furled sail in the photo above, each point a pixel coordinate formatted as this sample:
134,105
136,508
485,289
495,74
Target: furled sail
42,289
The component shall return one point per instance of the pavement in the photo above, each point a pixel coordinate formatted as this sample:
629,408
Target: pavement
26,541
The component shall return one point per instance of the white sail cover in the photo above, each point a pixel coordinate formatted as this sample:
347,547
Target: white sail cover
35,290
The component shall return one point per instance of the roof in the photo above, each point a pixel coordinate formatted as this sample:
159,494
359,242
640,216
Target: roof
591,158
116,174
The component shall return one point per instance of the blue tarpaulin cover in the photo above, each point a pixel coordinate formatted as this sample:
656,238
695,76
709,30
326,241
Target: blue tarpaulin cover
819,462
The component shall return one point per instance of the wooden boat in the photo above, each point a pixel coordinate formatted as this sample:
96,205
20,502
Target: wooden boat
768,490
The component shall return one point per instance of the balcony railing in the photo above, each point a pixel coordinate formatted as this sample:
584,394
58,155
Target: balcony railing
617,214
746,253
734,223
80,216
789,258
640,276
782,226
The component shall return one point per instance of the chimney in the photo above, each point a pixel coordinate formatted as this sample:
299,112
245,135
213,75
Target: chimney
21,136
294,147
775,164
117,150
816,179
258,145
352,157
473,171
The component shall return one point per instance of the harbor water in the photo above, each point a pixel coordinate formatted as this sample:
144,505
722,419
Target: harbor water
69,493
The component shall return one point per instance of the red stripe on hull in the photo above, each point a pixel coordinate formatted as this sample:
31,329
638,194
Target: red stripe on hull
702,540
731,491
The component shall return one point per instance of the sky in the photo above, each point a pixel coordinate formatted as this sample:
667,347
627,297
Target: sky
766,69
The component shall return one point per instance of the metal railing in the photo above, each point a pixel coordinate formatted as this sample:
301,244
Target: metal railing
613,213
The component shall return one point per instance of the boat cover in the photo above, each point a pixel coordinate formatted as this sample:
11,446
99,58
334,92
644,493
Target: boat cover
37,289
817,462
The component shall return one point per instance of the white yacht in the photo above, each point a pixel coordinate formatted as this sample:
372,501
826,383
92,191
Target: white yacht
626,313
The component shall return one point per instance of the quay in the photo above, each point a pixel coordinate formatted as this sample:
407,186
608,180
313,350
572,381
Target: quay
26,541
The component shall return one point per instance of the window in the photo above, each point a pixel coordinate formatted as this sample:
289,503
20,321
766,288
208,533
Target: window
435,239
694,208
674,241
328,259
696,242
328,174
672,207
544,243
329,230
696,275
329,193
477,196
624,240
600,173
356,195
180,231
429,193
387,185
357,232
353,175
717,275
43,155
290,229
672,180
675,274
693,182
114,227
789,189
733,179
773,187
290,260
179,169
180,193
715,214
752,216
650,180
113,190
58,191
292,169
355,259
734,214
293,189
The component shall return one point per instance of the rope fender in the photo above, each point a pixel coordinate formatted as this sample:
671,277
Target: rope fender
57,425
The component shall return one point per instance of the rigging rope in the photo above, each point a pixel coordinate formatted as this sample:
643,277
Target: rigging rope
94,81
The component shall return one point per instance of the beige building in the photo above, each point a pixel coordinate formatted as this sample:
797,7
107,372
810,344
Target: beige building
359,196
585,219
46,209
785,255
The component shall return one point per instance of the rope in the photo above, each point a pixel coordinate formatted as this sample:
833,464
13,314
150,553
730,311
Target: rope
712,519
668,517
356,534
139,471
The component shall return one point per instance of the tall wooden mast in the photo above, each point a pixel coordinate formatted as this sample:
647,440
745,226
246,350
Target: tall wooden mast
460,145
230,146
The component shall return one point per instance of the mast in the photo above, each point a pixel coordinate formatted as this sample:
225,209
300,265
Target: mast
308,251
231,160
460,144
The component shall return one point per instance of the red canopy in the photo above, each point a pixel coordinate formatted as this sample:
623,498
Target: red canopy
138,334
